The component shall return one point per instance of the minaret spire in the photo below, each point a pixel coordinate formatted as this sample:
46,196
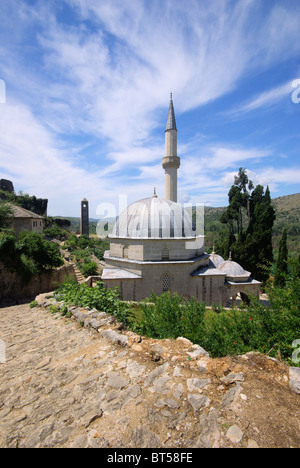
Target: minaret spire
171,162
171,122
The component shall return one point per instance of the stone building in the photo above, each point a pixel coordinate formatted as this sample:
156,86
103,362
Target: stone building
24,220
154,247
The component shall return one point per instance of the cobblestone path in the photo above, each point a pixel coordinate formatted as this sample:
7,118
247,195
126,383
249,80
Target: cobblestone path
63,385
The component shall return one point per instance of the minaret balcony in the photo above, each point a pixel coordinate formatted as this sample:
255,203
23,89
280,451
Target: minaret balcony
171,161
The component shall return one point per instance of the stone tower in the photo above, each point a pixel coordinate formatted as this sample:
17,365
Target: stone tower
84,220
171,162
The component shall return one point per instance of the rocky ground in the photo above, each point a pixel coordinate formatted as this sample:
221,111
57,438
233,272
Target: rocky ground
82,382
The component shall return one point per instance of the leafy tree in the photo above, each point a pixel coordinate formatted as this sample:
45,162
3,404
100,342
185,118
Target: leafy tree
282,261
5,215
89,269
297,269
43,253
31,203
7,248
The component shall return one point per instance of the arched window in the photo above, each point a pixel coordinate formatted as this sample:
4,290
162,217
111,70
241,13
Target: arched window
166,282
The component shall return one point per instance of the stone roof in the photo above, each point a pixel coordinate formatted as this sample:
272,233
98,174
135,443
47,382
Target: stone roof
19,212
114,273
208,271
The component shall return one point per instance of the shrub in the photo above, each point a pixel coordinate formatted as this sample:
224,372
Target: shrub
30,255
7,248
55,232
98,297
44,254
171,316
88,269
83,242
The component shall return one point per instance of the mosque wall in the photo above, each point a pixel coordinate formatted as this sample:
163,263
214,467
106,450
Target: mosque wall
156,249
167,276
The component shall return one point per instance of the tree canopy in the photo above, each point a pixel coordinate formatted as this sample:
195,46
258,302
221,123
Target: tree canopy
249,218
5,215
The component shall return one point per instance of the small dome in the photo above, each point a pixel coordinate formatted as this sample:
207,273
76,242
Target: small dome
215,260
231,268
154,218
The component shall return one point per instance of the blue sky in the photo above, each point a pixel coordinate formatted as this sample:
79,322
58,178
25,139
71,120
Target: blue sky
87,95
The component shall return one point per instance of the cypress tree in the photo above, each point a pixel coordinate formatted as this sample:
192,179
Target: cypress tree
251,245
259,236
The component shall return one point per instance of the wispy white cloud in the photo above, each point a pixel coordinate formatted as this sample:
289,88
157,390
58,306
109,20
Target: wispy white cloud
213,159
105,76
37,163
267,176
266,99
118,73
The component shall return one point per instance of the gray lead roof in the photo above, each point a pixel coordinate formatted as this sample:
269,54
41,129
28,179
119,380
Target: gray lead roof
171,122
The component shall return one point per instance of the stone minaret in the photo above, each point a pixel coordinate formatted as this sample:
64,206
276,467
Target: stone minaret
171,162
84,220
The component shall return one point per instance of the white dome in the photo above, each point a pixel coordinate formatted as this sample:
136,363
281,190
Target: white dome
154,218
215,260
231,268
234,271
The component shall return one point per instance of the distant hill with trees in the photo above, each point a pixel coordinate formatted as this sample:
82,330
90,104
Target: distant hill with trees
287,210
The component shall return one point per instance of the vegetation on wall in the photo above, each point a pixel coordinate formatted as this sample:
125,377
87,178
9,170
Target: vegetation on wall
97,297
83,249
29,255
30,203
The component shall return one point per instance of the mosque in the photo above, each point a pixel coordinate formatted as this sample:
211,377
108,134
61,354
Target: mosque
154,247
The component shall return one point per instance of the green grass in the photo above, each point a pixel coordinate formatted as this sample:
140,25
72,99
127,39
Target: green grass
255,327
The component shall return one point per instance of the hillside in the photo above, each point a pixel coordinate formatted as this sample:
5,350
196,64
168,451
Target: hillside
287,216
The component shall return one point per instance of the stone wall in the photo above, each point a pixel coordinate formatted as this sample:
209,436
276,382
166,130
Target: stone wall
27,224
12,289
